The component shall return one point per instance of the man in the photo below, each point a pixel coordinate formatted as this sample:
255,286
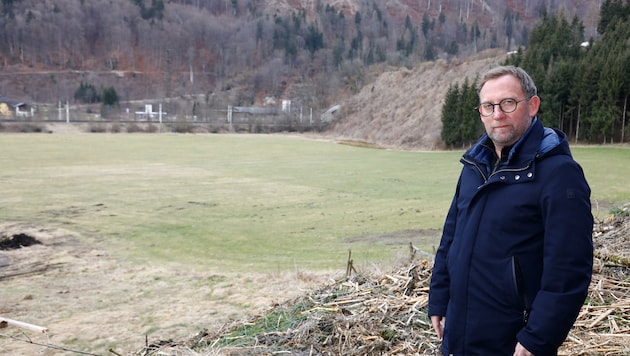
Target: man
515,260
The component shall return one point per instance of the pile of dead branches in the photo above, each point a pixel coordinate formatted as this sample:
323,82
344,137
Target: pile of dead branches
386,315
603,326
355,316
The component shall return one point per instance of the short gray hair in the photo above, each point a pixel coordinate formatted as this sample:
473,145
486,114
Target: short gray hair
527,83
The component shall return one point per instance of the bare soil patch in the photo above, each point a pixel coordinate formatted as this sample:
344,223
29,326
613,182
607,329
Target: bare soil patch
91,301
18,241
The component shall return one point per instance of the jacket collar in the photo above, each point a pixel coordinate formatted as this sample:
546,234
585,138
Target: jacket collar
537,141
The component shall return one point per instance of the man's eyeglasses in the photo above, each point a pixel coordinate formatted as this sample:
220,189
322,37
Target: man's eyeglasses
507,106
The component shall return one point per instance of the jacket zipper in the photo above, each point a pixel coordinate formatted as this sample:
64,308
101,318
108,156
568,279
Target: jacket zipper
519,288
474,164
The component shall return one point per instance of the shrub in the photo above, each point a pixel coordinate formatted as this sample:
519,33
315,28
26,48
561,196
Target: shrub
133,127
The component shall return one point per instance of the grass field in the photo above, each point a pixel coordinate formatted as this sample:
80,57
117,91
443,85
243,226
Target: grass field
247,202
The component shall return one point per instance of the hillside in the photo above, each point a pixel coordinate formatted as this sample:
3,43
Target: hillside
398,108
402,108
238,52
387,63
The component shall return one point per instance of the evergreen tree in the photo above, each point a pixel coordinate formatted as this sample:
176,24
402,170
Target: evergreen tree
314,40
612,81
426,25
555,99
337,53
86,93
471,127
475,33
430,53
610,13
584,92
450,121
508,19
460,118
110,97
407,42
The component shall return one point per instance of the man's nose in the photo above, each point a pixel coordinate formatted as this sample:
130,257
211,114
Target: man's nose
498,113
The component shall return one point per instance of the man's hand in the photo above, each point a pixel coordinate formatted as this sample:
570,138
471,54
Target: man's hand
438,324
520,350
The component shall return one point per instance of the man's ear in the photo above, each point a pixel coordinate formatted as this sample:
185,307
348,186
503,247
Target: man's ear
534,105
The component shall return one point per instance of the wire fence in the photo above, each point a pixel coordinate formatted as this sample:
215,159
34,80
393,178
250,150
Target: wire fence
153,118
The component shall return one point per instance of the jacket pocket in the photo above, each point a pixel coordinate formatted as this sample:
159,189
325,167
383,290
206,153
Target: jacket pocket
519,288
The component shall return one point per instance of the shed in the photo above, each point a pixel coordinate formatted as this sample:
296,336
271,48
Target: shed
12,107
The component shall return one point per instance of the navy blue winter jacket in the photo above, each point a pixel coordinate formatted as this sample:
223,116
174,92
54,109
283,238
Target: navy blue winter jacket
516,255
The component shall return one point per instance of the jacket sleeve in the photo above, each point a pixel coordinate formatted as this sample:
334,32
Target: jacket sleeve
568,259
439,288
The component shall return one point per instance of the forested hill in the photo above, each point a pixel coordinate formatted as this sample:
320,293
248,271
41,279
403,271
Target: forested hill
306,50
389,63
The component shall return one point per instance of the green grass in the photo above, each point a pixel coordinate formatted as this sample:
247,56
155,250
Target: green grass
245,202
607,170
282,317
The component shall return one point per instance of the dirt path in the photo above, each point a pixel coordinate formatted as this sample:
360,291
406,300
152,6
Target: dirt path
93,302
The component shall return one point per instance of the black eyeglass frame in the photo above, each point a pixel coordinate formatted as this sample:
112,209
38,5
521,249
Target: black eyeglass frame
500,105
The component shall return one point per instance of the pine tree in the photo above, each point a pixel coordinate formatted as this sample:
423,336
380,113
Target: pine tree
449,132
469,127
460,118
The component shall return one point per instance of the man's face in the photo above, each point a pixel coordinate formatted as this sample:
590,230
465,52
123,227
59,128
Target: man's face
504,129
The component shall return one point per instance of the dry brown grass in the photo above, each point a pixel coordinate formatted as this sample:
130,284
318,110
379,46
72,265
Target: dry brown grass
402,108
